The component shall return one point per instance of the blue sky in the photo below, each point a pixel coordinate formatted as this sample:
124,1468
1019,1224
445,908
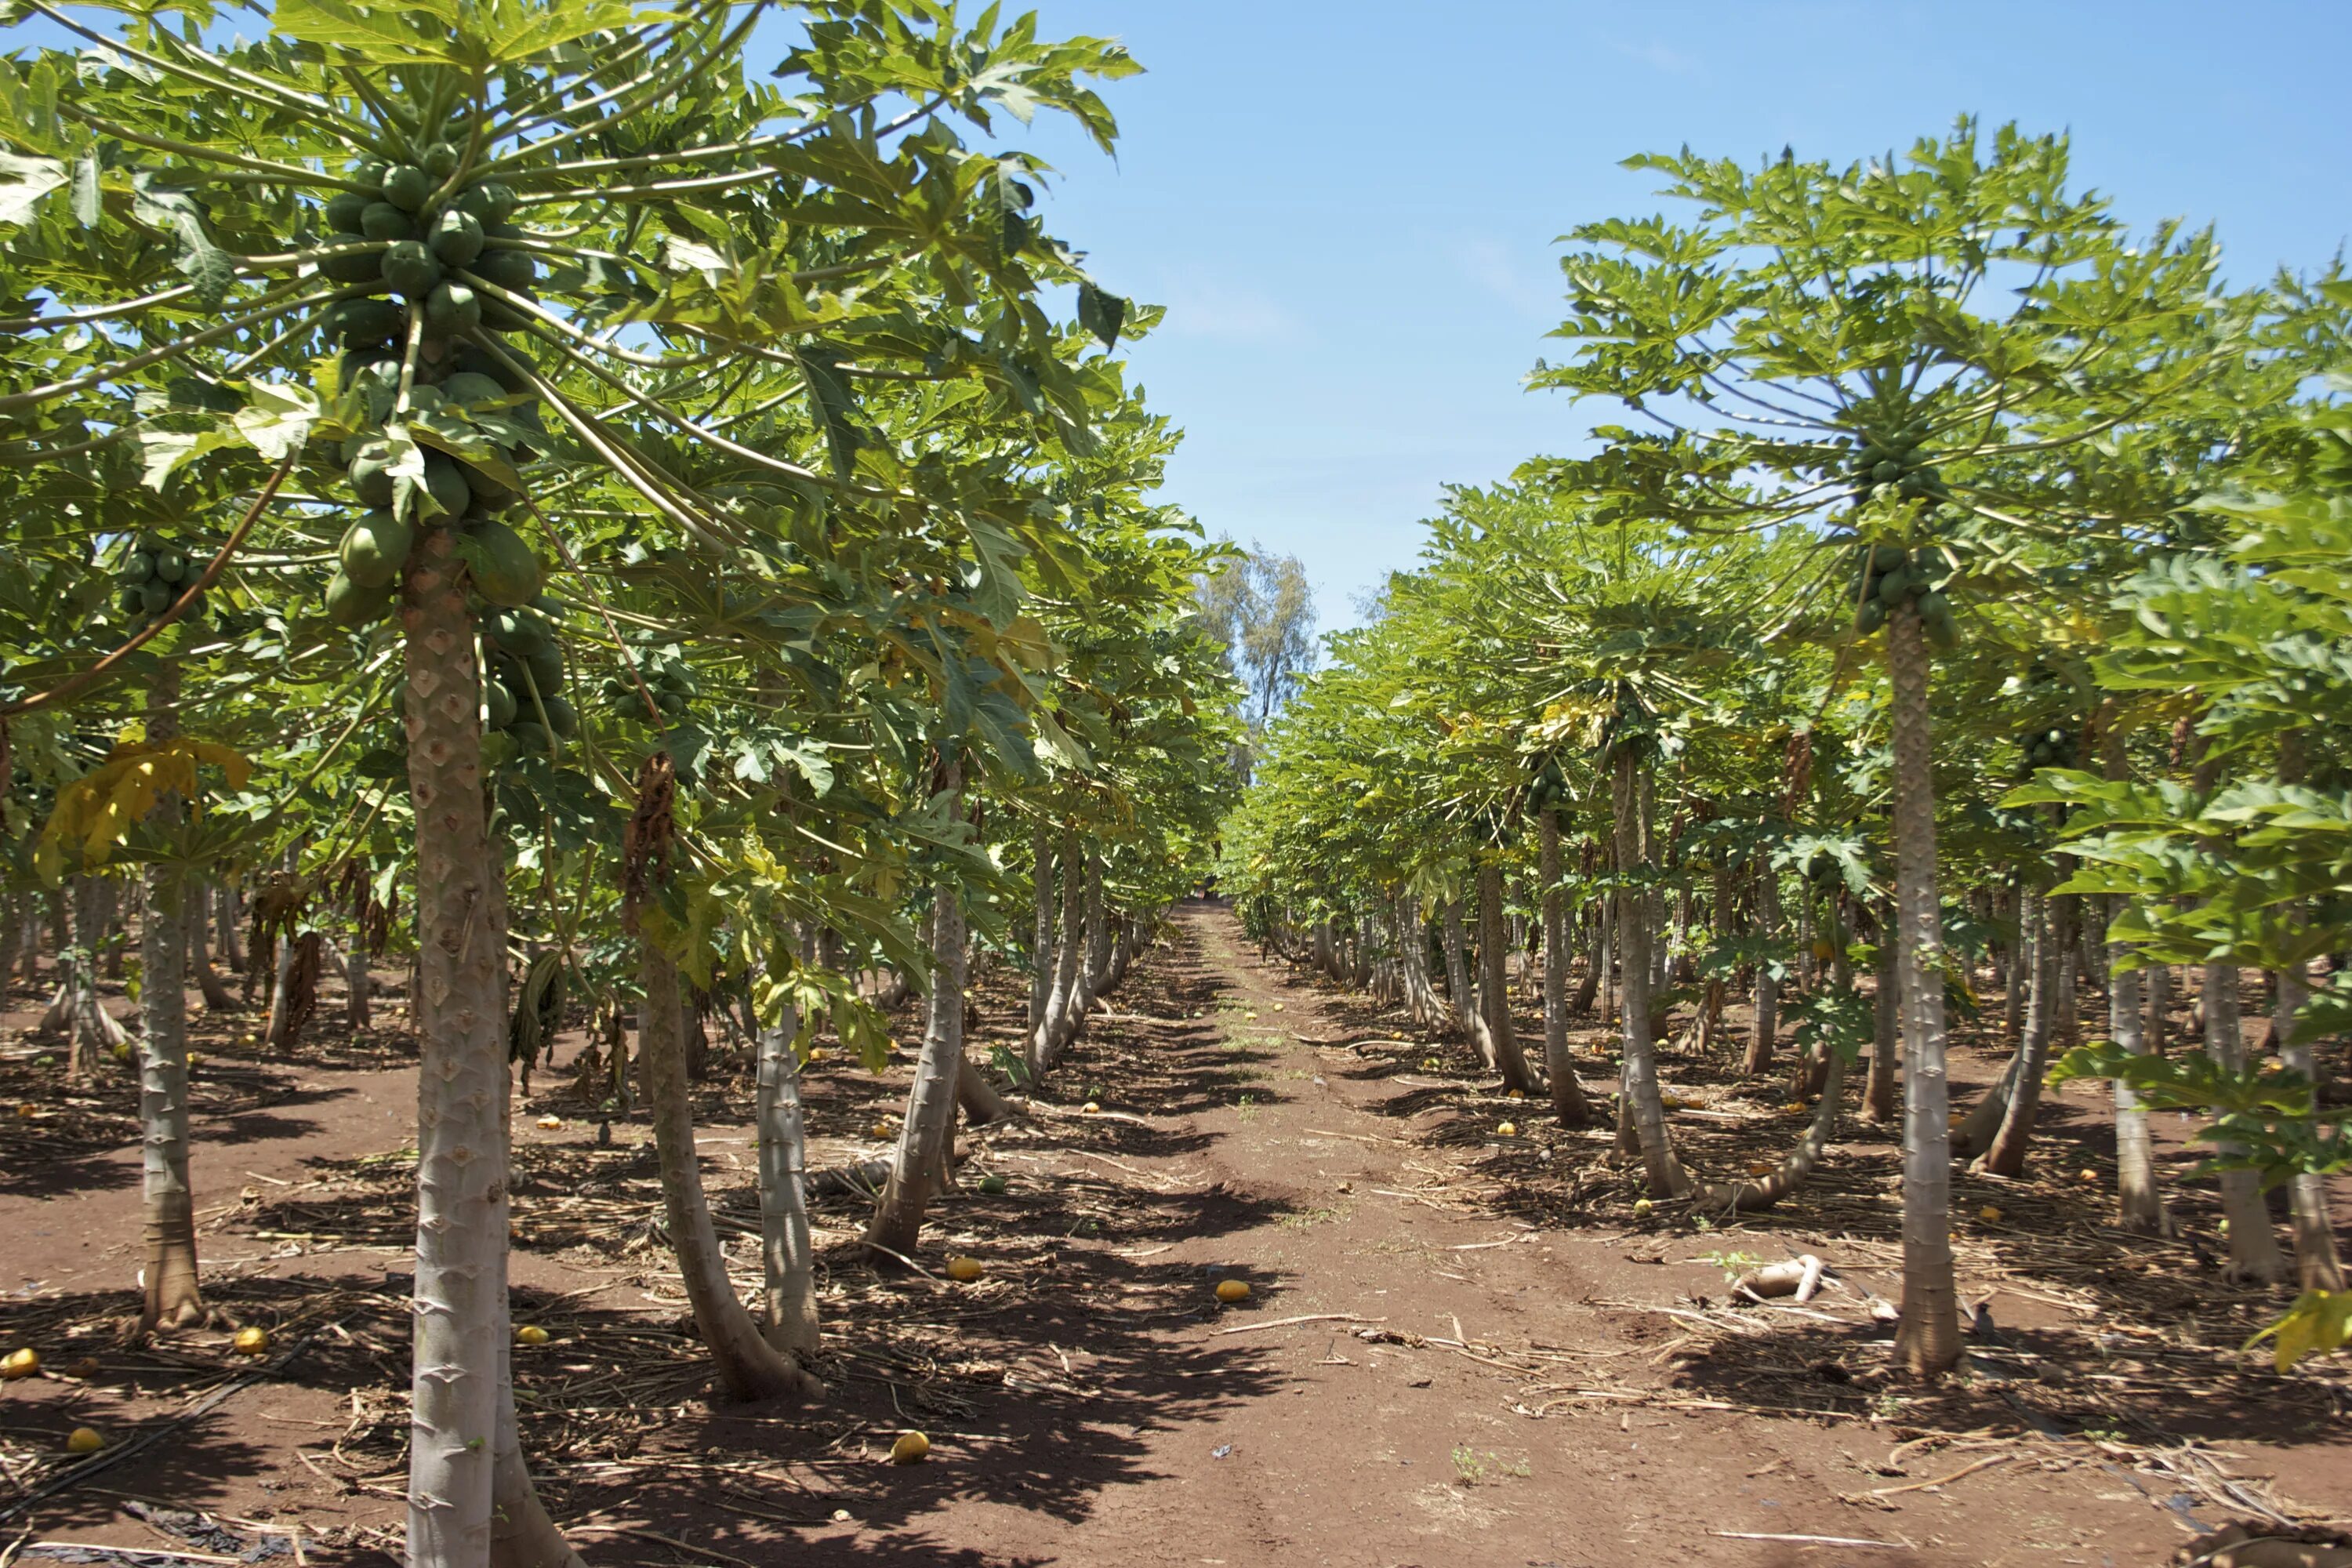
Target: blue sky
1351,208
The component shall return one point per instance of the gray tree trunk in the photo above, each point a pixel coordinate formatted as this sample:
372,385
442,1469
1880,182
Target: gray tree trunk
787,1318
2140,1200
1642,1102
1568,1102
1458,1000
749,1367
920,1165
2254,1255
2004,1156
460,1475
1766,1026
1878,1091
1927,1340
1494,983
1041,946
173,1298
2316,1265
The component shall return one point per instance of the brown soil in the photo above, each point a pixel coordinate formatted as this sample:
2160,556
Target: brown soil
1460,1346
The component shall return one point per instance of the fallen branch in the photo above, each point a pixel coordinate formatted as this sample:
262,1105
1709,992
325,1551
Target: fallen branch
1302,1317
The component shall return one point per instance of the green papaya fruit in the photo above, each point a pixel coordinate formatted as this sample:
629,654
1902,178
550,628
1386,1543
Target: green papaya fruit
439,159
545,664
381,220
136,568
507,573
1892,586
349,605
368,176
672,703
362,323
344,209
131,598
1933,604
171,566
375,547
1870,616
458,238
508,267
1887,473
501,706
490,494
452,311
562,717
446,485
517,631
156,597
371,473
530,737
407,187
352,266
409,269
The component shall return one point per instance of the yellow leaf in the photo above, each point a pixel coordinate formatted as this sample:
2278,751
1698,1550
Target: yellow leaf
99,808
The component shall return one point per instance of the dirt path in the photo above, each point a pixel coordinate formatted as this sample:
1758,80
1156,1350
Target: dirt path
1440,1361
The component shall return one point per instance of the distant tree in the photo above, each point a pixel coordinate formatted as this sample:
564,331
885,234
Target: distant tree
1261,608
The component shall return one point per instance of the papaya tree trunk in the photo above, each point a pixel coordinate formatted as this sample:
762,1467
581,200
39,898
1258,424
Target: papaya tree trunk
749,1367
921,1166
2005,1154
1763,1191
173,1298
1098,961
1927,1340
787,1252
1056,1032
1643,1103
1767,1021
1041,945
1458,967
1878,1092
2316,1262
2254,1255
460,1387
2140,1201
1588,990
1568,1102
1494,983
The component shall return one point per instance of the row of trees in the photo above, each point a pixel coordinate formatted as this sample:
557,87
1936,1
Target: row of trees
1966,583
509,486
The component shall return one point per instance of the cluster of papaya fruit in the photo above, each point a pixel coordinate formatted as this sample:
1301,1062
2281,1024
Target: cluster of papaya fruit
1884,575
1895,460
152,576
416,242
523,694
1548,788
2053,747
665,675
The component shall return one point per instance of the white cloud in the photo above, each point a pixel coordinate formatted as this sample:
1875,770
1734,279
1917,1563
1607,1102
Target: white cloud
1204,308
1660,57
1523,281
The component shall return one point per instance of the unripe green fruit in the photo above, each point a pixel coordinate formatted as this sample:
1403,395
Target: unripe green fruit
136,568
1892,586
352,266
368,175
502,705
507,573
407,187
171,566
562,717
1887,473
371,474
382,221
510,268
530,737
156,597
447,488
458,238
344,210
375,547
451,310
440,159
349,605
472,389
409,269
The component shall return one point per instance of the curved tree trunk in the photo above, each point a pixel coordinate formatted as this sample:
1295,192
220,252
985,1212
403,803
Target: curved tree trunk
1766,1023
2004,1156
2140,1200
1878,1092
459,1390
197,911
788,1312
1643,1104
173,1298
1494,983
978,1097
921,1166
1596,960
1568,1101
92,1031
749,1368
1763,1191
1928,1337
1061,1002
